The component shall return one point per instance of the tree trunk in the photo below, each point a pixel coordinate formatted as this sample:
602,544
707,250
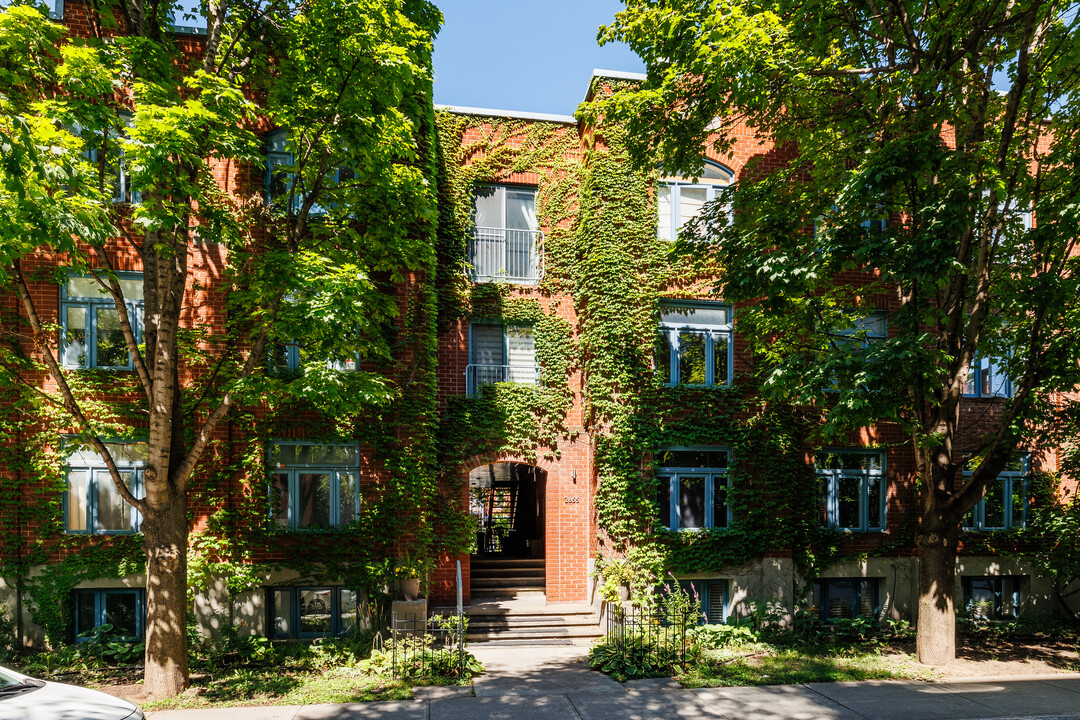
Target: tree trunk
165,537
935,639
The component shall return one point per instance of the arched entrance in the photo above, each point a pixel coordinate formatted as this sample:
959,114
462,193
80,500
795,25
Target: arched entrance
507,499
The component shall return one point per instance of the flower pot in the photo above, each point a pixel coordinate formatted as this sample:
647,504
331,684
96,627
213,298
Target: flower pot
624,593
410,588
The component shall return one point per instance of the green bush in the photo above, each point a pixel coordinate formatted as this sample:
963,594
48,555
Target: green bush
714,637
413,657
638,653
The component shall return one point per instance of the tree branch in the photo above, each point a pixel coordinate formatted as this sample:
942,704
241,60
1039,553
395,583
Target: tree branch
69,402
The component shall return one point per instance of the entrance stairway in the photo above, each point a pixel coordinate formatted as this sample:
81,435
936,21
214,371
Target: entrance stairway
531,622
509,606
502,578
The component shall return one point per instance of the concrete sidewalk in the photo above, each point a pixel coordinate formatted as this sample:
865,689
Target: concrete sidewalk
552,683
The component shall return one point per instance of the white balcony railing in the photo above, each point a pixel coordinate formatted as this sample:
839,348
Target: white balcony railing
507,255
477,375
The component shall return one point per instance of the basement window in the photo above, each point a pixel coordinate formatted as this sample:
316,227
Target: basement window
993,597
308,612
124,609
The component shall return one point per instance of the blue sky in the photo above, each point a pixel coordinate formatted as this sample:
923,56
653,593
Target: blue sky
532,56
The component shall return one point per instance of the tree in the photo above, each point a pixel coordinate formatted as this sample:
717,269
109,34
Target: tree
138,108
912,140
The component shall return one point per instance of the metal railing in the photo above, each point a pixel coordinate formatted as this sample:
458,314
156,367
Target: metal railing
506,255
429,646
656,635
477,375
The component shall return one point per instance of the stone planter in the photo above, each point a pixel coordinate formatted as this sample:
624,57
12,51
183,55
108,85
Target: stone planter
410,588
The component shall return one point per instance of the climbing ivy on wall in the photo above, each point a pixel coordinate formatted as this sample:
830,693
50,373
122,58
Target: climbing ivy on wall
507,419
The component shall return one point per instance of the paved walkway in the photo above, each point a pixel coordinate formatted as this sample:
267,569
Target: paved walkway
552,683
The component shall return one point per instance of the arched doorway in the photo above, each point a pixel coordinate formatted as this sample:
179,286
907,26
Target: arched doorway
507,499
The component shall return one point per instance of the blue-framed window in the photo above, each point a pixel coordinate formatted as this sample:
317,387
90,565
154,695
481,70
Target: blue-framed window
828,223
55,8
992,597
1005,504
500,353
988,378
852,488
845,598
117,178
867,329
92,504
122,608
287,357
314,486
306,612
680,199
693,485
189,17
714,597
281,178
90,325
695,344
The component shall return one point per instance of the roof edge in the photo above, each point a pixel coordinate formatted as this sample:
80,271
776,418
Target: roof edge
617,74
518,114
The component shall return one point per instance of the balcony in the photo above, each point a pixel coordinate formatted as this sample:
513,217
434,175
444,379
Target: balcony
477,375
506,255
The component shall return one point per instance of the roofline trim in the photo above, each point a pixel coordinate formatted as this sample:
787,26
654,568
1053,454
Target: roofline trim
489,112
617,74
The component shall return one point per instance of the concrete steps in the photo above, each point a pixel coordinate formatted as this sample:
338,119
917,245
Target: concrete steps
509,606
495,578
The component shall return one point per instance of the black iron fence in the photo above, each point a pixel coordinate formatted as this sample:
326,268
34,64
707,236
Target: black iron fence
427,646
650,637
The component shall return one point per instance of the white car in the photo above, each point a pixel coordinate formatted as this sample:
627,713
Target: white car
25,698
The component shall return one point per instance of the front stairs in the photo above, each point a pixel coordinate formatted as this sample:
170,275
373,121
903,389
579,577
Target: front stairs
509,607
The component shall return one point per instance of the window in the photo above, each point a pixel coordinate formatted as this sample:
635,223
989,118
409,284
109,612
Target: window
280,176
827,225
713,595
988,378
1006,502
693,487
303,612
994,597
845,598
505,243
680,199
288,357
122,608
865,330
314,486
92,503
695,346
500,353
90,324
852,489
117,181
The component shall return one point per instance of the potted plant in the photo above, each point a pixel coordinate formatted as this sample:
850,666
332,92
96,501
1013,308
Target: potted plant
409,571
616,575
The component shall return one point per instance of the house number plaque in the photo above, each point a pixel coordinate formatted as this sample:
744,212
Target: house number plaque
571,500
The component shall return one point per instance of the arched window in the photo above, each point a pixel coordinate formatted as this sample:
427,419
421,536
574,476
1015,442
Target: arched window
680,199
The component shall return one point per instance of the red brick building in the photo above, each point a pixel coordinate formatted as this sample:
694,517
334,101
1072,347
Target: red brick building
568,352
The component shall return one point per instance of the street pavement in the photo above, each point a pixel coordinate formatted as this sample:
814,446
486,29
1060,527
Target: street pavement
553,683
